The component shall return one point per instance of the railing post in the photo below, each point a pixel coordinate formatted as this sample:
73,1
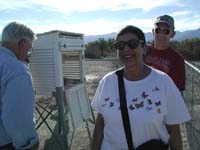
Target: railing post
192,97
62,122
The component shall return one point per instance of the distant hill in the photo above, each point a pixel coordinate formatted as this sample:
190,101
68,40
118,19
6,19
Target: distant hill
149,37
187,34
90,38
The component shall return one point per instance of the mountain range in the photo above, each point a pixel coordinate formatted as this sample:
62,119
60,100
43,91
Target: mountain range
149,36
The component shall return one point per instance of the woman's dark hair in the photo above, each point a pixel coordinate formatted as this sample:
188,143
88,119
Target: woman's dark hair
132,29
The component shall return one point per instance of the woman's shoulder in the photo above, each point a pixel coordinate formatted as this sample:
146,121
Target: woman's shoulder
110,74
159,74
109,77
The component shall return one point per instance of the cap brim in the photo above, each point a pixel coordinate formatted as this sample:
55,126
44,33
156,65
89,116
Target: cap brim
165,23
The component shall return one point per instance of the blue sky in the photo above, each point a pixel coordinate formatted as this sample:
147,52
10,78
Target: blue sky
92,17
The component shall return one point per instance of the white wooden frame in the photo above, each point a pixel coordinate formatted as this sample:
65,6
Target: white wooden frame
78,104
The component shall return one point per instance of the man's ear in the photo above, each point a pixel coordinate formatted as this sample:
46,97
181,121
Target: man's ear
21,44
20,49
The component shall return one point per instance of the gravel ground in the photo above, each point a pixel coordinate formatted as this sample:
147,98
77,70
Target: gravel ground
81,138
49,136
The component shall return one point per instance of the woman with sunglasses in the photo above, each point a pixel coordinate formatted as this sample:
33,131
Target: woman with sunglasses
162,56
154,104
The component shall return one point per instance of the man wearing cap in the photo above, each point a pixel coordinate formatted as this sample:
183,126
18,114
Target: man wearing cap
161,55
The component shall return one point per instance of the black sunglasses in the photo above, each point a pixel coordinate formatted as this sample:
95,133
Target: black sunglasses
165,31
133,43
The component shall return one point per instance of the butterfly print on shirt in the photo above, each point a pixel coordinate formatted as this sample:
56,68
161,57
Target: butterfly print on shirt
148,108
135,99
158,103
131,107
149,101
107,99
139,105
144,95
103,105
111,104
156,89
158,110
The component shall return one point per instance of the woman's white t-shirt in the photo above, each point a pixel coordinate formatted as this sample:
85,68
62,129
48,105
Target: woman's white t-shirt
152,102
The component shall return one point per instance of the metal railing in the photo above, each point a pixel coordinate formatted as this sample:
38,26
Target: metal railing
95,70
192,99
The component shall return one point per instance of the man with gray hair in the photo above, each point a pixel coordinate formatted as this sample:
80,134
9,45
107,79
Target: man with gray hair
17,99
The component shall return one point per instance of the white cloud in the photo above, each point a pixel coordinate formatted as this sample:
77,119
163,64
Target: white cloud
188,23
103,26
67,6
181,13
12,4
99,26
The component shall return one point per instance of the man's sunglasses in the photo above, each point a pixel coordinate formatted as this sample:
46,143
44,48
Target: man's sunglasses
133,43
165,31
